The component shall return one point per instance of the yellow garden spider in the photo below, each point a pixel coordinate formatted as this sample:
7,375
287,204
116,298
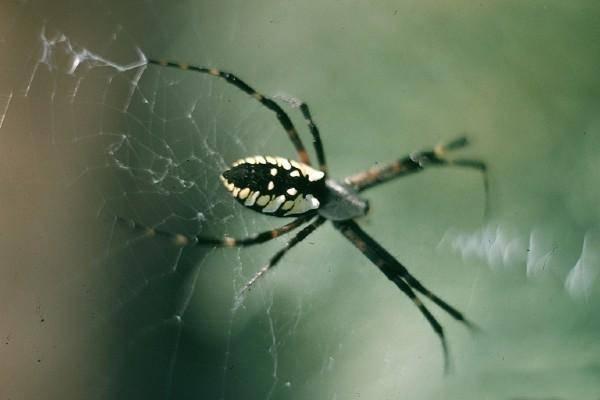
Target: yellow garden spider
282,187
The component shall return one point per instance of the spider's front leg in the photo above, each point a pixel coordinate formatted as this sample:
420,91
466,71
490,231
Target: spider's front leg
399,275
417,162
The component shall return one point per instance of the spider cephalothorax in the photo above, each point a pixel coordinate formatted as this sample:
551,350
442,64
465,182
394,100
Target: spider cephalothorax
286,188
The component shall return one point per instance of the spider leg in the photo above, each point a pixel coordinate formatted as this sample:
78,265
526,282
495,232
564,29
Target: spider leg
283,118
417,162
181,240
435,325
398,274
314,130
307,230
396,268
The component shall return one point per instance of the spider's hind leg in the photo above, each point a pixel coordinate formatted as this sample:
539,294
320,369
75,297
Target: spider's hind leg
182,240
314,130
300,236
267,102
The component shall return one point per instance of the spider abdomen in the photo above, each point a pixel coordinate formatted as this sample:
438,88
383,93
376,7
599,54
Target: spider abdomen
274,185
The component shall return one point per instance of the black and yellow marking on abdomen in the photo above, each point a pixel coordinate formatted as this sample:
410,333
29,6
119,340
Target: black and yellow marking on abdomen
274,185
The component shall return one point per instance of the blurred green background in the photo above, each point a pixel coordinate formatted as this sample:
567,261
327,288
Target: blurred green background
92,310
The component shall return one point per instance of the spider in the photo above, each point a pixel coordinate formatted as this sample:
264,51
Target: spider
281,187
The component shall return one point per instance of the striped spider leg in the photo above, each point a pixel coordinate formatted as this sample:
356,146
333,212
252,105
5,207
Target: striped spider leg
399,275
314,130
417,162
283,118
300,236
392,268
182,240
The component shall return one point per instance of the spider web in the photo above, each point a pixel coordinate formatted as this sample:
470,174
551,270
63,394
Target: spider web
149,144
90,132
